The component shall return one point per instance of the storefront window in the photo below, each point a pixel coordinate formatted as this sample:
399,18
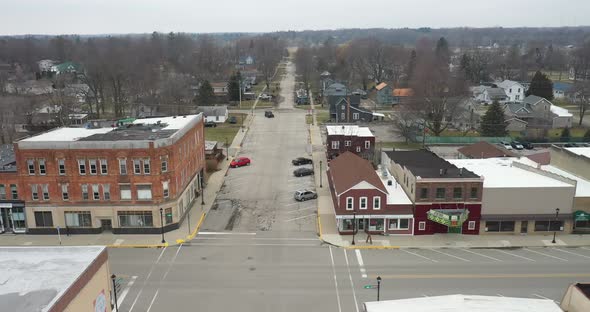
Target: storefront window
500,226
78,219
18,218
376,225
168,215
399,224
346,225
541,226
135,218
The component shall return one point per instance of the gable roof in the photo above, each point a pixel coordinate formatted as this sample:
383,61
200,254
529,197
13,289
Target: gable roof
507,84
348,170
403,92
349,130
533,100
484,149
212,110
380,86
496,92
562,86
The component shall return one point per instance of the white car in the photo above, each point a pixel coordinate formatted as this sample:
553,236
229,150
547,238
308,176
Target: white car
265,97
505,145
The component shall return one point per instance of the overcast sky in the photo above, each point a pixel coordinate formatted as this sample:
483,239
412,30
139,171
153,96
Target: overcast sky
145,16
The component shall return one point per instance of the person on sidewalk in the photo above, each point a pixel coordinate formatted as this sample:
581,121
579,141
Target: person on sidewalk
369,239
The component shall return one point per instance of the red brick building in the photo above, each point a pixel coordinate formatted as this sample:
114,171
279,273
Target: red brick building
446,199
12,209
347,138
87,180
367,200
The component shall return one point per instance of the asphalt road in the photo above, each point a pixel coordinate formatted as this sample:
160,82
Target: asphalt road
258,250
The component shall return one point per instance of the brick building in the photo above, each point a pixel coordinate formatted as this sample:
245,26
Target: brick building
12,209
347,138
446,199
367,200
88,180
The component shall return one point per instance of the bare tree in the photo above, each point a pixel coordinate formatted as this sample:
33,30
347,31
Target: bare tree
581,96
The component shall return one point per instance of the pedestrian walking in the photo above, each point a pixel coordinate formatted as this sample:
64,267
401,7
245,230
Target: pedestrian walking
369,239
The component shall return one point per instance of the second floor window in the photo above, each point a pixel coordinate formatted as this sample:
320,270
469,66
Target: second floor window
363,203
2,191
440,193
123,166
457,193
473,192
106,191
34,192
125,191
42,168
62,166
45,189
93,169
85,191
137,166
164,165
367,144
82,166
423,193
146,166
31,166
335,144
64,192
349,203
166,188
103,166
95,193
347,143
13,191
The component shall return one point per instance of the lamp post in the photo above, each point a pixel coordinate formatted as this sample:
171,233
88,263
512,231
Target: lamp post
555,231
353,226
226,150
378,286
114,279
320,173
162,225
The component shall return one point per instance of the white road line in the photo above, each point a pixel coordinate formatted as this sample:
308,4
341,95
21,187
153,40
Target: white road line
287,205
539,296
173,259
311,215
573,253
356,304
159,257
444,253
511,254
359,259
335,280
301,209
146,280
125,291
136,298
153,300
258,244
259,238
418,255
546,255
226,233
486,256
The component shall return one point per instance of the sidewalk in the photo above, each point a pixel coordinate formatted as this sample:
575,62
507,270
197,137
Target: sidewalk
196,214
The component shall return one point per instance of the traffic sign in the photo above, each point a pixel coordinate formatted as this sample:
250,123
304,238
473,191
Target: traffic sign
370,286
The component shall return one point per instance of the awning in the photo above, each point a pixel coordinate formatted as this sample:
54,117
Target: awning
448,217
581,216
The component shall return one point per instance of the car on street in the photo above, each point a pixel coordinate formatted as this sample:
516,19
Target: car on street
303,195
265,97
232,120
516,145
210,124
527,145
303,172
269,114
505,145
239,162
301,161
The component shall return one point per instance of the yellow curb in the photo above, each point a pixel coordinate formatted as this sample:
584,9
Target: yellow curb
180,241
372,247
139,246
194,233
319,225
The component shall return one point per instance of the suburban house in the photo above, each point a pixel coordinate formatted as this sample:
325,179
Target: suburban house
367,200
446,199
384,94
219,88
246,60
217,114
515,124
346,109
400,95
561,89
483,149
519,198
45,65
325,80
490,94
347,138
514,90
539,112
67,67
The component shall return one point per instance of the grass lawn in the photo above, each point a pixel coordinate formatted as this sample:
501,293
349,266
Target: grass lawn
322,116
225,131
401,145
308,119
454,133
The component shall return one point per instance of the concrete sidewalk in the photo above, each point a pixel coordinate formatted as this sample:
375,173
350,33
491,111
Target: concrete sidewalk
188,228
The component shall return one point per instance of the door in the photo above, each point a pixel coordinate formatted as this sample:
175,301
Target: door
524,225
106,225
454,229
5,220
360,224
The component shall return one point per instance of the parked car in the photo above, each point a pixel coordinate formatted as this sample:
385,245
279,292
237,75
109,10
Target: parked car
570,145
516,145
269,114
301,161
584,144
239,162
505,145
527,145
210,124
303,172
302,195
265,97
232,120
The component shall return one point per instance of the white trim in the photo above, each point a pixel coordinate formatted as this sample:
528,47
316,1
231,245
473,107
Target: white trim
361,201
422,226
367,144
352,200
376,216
379,198
360,186
469,227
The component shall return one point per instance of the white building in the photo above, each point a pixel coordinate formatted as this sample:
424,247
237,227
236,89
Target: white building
514,90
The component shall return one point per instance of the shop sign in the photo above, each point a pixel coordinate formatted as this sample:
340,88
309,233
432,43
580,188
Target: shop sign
581,216
438,217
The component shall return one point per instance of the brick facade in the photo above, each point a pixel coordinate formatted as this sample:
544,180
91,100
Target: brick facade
354,144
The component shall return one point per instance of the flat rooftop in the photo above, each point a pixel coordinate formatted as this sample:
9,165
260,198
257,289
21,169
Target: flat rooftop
500,173
151,128
582,151
582,185
32,279
426,164
349,130
396,194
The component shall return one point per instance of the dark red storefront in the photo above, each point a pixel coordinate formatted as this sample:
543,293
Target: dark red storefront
425,226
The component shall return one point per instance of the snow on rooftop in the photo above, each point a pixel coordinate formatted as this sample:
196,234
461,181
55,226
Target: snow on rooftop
173,122
560,111
348,130
66,134
397,195
582,151
499,173
44,270
583,185
464,303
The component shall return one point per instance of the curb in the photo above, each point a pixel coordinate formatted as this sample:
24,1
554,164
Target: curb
140,246
195,232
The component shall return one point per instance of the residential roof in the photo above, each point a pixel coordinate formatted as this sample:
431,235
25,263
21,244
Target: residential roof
218,84
464,303
325,73
348,130
380,86
35,278
210,145
348,170
484,150
395,193
426,164
533,99
582,151
220,110
542,158
560,111
403,92
67,66
336,89
7,158
496,93
562,86
517,108
582,185
507,84
501,173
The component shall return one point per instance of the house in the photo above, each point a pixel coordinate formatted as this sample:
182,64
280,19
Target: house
301,97
514,90
561,89
384,94
219,88
367,200
325,80
446,199
538,111
347,138
67,67
515,124
77,119
342,111
483,149
213,155
507,181
216,114
246,60
489,95
400,95
45,65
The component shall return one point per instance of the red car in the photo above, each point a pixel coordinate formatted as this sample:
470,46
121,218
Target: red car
239,162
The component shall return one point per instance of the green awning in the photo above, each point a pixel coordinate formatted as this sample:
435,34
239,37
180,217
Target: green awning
581,216
449,217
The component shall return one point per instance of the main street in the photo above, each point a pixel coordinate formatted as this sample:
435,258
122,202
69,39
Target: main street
258,249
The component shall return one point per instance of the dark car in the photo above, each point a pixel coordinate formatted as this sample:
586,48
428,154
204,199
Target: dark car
303,172
210,124
516,145
570,145
232,120
269,114
527,145
239,162
301,161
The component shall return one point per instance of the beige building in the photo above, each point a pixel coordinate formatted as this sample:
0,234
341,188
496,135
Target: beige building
519,198
55,279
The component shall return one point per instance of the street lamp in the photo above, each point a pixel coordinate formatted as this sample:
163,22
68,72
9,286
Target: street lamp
320,173
556,217
378,286
114,278
353,226
162,225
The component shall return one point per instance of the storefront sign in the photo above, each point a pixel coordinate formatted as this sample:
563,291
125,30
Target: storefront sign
438,217
581,216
